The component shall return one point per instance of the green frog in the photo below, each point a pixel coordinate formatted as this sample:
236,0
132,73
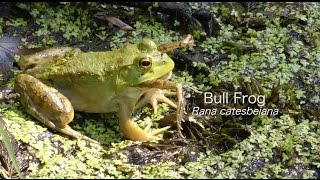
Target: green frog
58,81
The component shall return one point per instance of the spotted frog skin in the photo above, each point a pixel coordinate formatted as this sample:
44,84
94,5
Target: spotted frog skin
58,81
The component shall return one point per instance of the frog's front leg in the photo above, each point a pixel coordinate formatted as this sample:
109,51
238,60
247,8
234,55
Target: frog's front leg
155,95
158,92
131,130
47,105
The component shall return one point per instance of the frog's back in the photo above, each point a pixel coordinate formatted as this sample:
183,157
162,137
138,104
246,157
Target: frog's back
55,62
107,61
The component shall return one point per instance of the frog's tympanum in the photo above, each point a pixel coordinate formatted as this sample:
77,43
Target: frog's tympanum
58,81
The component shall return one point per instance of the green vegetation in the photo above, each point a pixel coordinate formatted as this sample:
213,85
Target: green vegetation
69,21
6,141
270,44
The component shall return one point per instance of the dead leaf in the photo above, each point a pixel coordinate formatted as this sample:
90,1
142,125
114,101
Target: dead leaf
113,20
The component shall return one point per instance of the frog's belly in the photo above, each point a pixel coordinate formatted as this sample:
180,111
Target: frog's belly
102,105
102,101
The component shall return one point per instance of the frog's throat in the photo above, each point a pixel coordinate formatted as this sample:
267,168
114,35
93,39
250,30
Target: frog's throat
166,76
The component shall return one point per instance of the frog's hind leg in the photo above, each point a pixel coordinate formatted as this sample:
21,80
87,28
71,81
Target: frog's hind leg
47,105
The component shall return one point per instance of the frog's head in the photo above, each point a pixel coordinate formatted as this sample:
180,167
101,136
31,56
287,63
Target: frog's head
148,64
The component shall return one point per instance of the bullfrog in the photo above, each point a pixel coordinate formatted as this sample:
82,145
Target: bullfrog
58,81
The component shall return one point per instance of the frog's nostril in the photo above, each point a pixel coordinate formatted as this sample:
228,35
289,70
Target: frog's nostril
163,62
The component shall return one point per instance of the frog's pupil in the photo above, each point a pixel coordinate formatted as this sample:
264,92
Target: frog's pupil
145,63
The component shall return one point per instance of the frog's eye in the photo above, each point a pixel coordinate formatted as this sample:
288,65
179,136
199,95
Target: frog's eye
145,63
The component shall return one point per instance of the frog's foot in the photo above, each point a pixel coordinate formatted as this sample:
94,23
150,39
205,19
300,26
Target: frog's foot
153,96
133,132
153,135
70,132
67,130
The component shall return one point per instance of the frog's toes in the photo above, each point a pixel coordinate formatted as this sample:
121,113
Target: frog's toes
153,96
70,132
153,134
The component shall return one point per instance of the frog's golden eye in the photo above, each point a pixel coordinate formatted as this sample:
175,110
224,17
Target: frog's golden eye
145,62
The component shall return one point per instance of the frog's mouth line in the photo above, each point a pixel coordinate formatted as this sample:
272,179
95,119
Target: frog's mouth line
166,76
161,82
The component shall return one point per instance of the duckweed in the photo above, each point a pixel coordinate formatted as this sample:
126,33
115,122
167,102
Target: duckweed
285,146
